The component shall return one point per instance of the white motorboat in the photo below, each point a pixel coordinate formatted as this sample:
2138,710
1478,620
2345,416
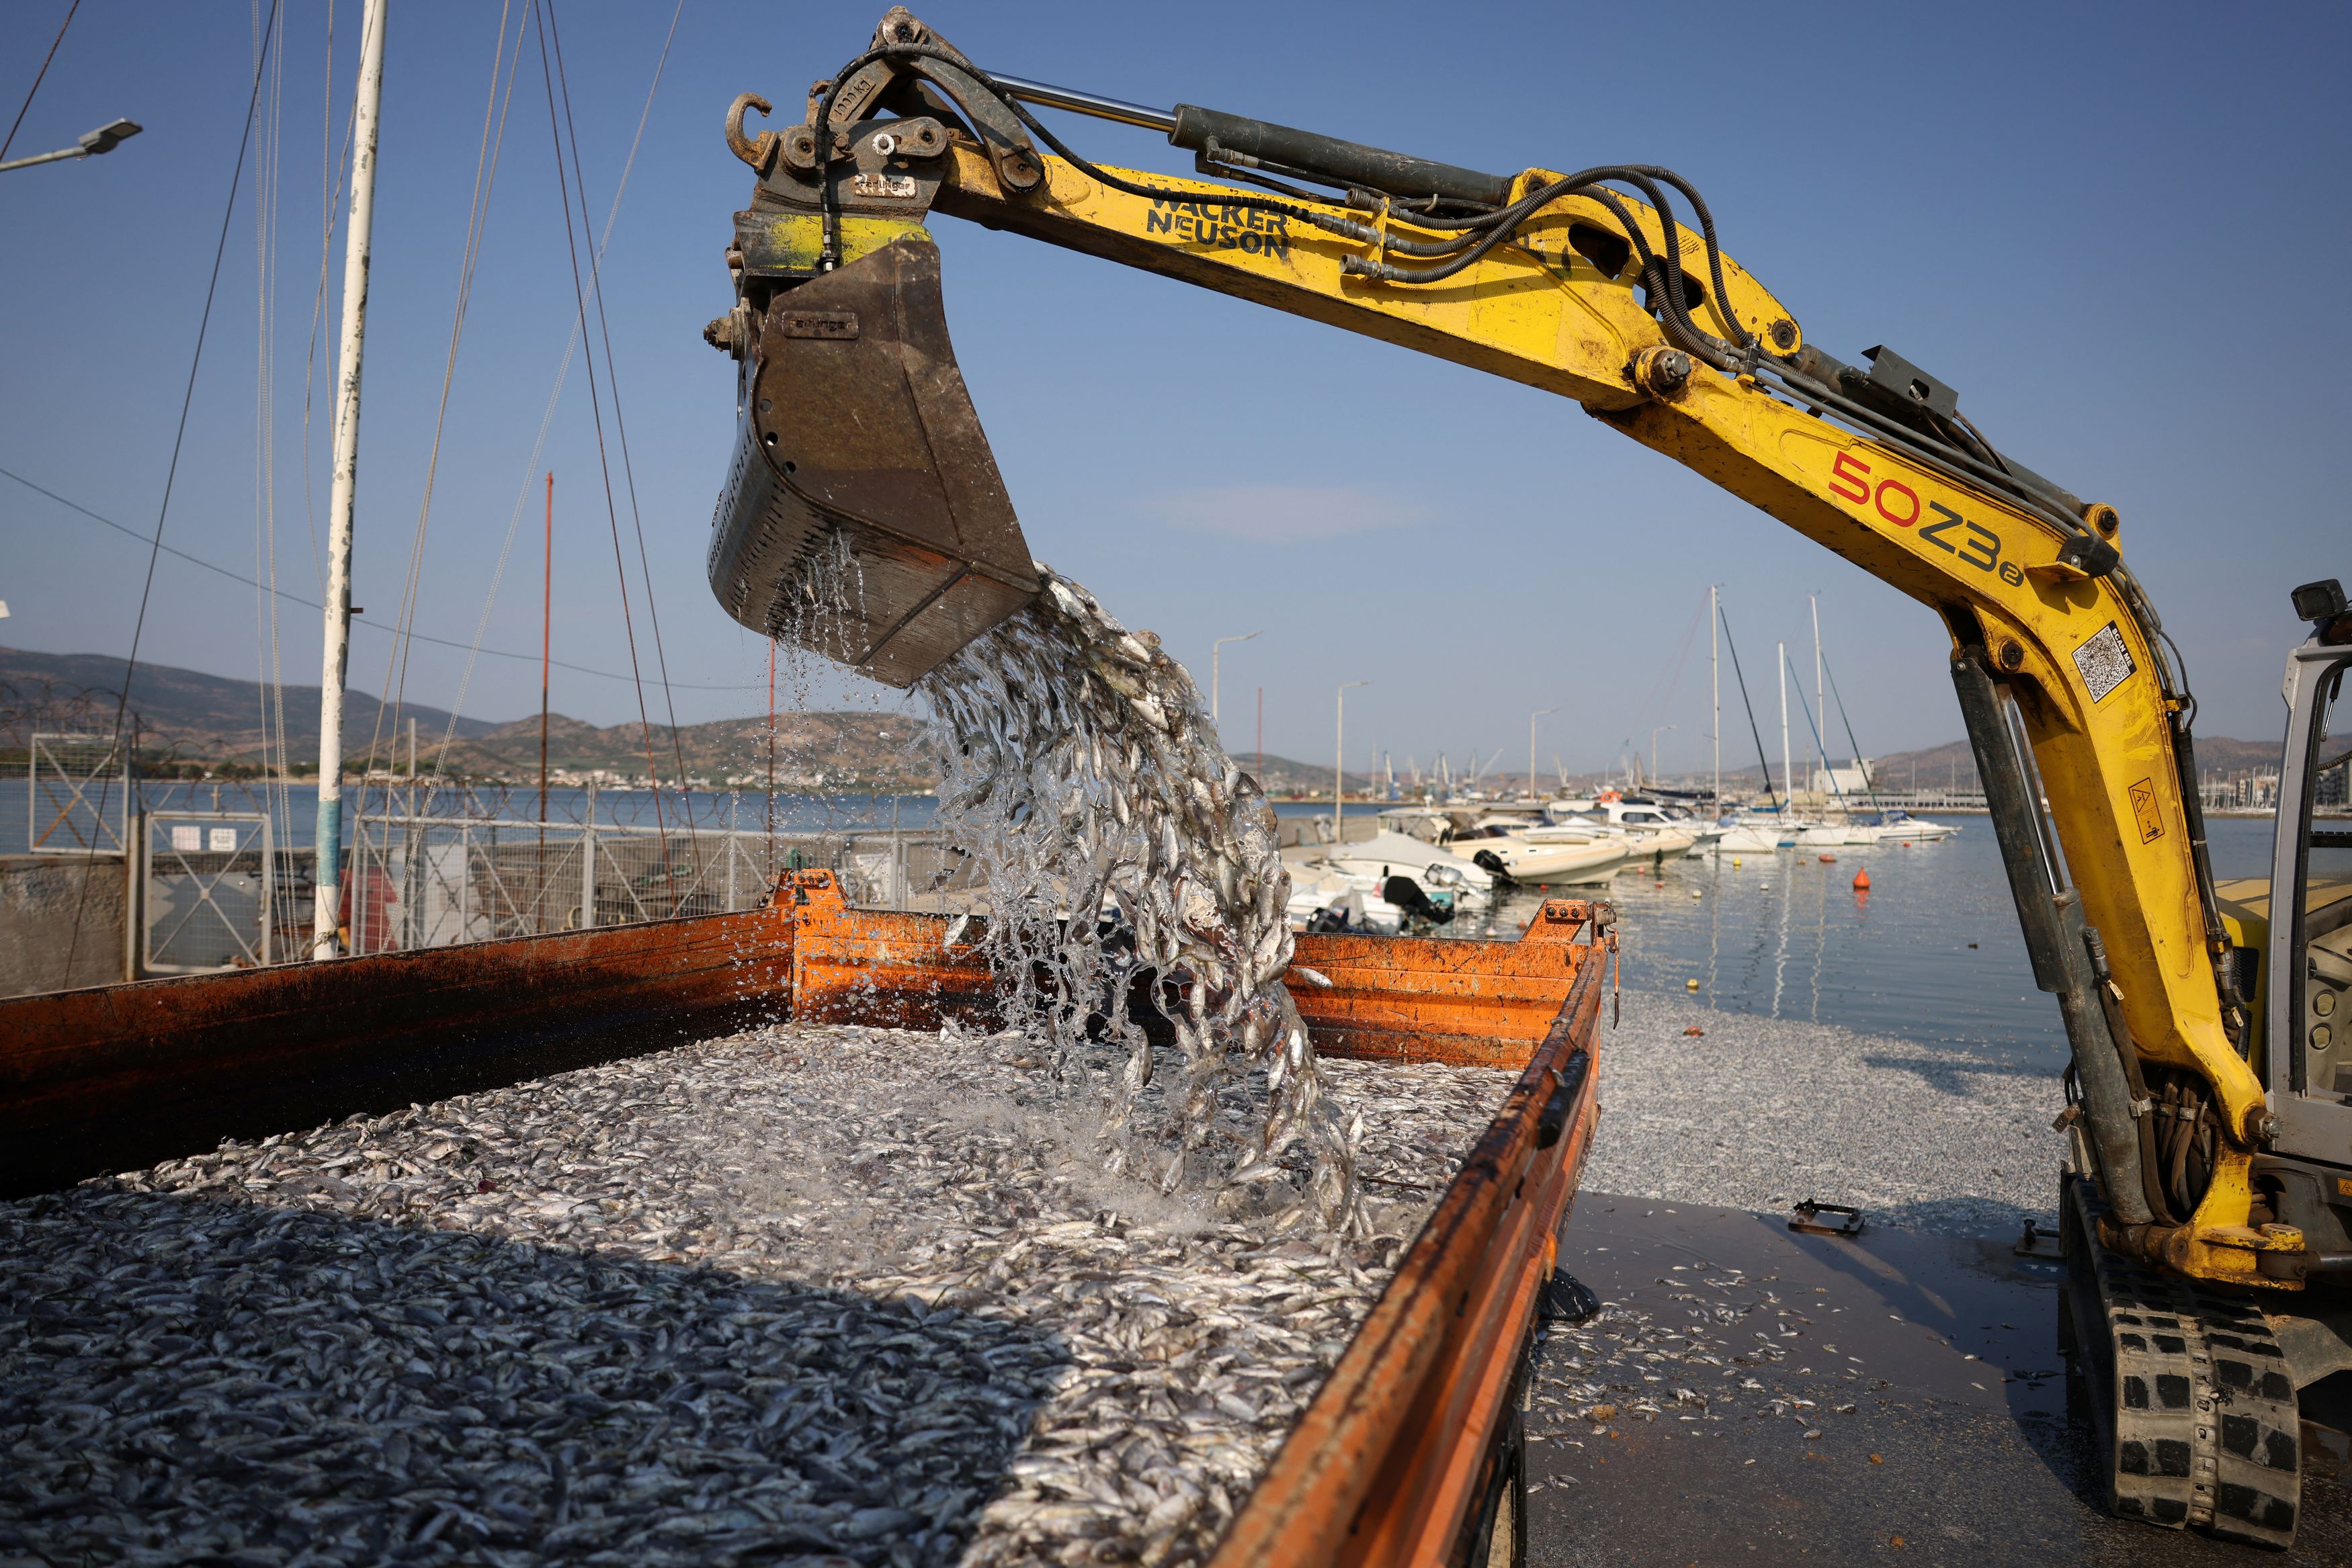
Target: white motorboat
1660,832
1314,895
1437,869
1561,858
1893,826
1758,834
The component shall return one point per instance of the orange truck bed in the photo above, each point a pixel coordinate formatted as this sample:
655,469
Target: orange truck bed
1394,1463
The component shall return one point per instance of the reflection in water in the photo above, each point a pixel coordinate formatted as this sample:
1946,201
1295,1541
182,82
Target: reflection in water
1931,954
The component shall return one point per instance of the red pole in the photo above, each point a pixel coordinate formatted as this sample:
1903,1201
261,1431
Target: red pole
546,635
771,758
1261,738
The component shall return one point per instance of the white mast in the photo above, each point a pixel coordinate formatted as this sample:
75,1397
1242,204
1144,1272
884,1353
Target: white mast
337,656
1820,714
1788,785
1715,685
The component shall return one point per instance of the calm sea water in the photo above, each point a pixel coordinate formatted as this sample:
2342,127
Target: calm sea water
1932,953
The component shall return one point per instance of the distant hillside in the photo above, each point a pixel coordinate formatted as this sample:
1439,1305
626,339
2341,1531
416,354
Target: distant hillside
201,715
1953,766
213,719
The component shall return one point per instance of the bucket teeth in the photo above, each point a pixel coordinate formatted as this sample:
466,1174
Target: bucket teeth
863,517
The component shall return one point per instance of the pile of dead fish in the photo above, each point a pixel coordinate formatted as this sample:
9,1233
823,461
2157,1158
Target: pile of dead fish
1128,859
830,1295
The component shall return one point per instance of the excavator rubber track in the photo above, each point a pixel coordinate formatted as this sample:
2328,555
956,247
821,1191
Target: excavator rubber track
2192,1397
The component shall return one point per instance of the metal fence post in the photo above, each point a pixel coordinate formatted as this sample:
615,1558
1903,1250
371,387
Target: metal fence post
134,893
588,865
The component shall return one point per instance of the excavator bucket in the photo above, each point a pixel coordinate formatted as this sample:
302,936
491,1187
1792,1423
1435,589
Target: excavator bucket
864,517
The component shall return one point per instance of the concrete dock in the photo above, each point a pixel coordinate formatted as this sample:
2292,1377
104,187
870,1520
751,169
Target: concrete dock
1911,1407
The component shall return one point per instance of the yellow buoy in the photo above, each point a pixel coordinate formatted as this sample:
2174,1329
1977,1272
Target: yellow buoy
1734,862
1690,985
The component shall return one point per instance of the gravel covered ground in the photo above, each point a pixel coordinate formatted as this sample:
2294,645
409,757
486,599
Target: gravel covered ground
1762,1113
819,1295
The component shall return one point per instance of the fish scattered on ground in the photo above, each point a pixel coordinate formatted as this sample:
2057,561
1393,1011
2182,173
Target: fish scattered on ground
809,1293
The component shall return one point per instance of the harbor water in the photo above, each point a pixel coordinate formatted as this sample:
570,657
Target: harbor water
1931,953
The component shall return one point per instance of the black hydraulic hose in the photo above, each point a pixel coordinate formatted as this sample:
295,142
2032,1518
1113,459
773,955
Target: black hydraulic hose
1761,760
1706,231
1954,463
1503,224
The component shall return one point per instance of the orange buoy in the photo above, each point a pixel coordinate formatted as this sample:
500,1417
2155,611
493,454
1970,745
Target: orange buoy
1862,880
1829,860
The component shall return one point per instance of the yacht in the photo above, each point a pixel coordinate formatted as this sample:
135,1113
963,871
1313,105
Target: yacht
1759,833
1544,856
1438,869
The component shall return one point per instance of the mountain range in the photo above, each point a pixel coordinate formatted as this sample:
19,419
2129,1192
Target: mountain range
186,717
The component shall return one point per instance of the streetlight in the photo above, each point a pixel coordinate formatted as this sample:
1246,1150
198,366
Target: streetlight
1339,765
1216,649
1531,747
105,139
1653,750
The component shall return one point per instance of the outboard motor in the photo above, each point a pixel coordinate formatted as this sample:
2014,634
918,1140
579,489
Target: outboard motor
1492,864
1407,896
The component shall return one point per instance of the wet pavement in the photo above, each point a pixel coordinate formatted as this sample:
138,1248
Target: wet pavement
1755,1395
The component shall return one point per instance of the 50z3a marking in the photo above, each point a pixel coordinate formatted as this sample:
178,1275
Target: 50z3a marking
1900,505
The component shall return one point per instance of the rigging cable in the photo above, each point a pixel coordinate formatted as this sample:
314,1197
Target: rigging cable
270,695
10,140
171,474
1819,746
613,385
1868,784
530,477
485,173
1762,760
543,8
331,185
198,560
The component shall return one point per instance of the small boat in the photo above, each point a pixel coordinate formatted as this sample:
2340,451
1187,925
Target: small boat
1437,868
1662,831
1561,858
1757,832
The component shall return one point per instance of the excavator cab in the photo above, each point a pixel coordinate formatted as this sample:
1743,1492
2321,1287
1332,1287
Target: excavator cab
2300,937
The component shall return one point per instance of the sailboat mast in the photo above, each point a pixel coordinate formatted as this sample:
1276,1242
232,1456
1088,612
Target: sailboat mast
1788,781
1821,740
335,660
1715,687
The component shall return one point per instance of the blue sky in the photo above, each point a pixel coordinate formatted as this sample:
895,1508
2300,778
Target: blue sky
2079,216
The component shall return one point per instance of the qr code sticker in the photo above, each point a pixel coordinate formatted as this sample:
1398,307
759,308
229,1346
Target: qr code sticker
2105,661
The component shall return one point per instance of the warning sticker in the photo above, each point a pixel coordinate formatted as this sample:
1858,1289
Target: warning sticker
2145,812
2105,661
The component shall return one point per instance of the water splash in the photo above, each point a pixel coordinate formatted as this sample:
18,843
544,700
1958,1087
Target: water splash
1126,858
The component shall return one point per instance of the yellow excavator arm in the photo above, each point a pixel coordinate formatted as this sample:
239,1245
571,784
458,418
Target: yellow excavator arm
1568,283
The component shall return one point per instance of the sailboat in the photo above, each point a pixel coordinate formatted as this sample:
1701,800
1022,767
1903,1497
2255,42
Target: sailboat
1856,827
1762,829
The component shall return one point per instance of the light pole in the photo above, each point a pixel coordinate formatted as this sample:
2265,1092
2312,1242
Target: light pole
1531,747
1340,764
1653,750
105,139
1216,649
